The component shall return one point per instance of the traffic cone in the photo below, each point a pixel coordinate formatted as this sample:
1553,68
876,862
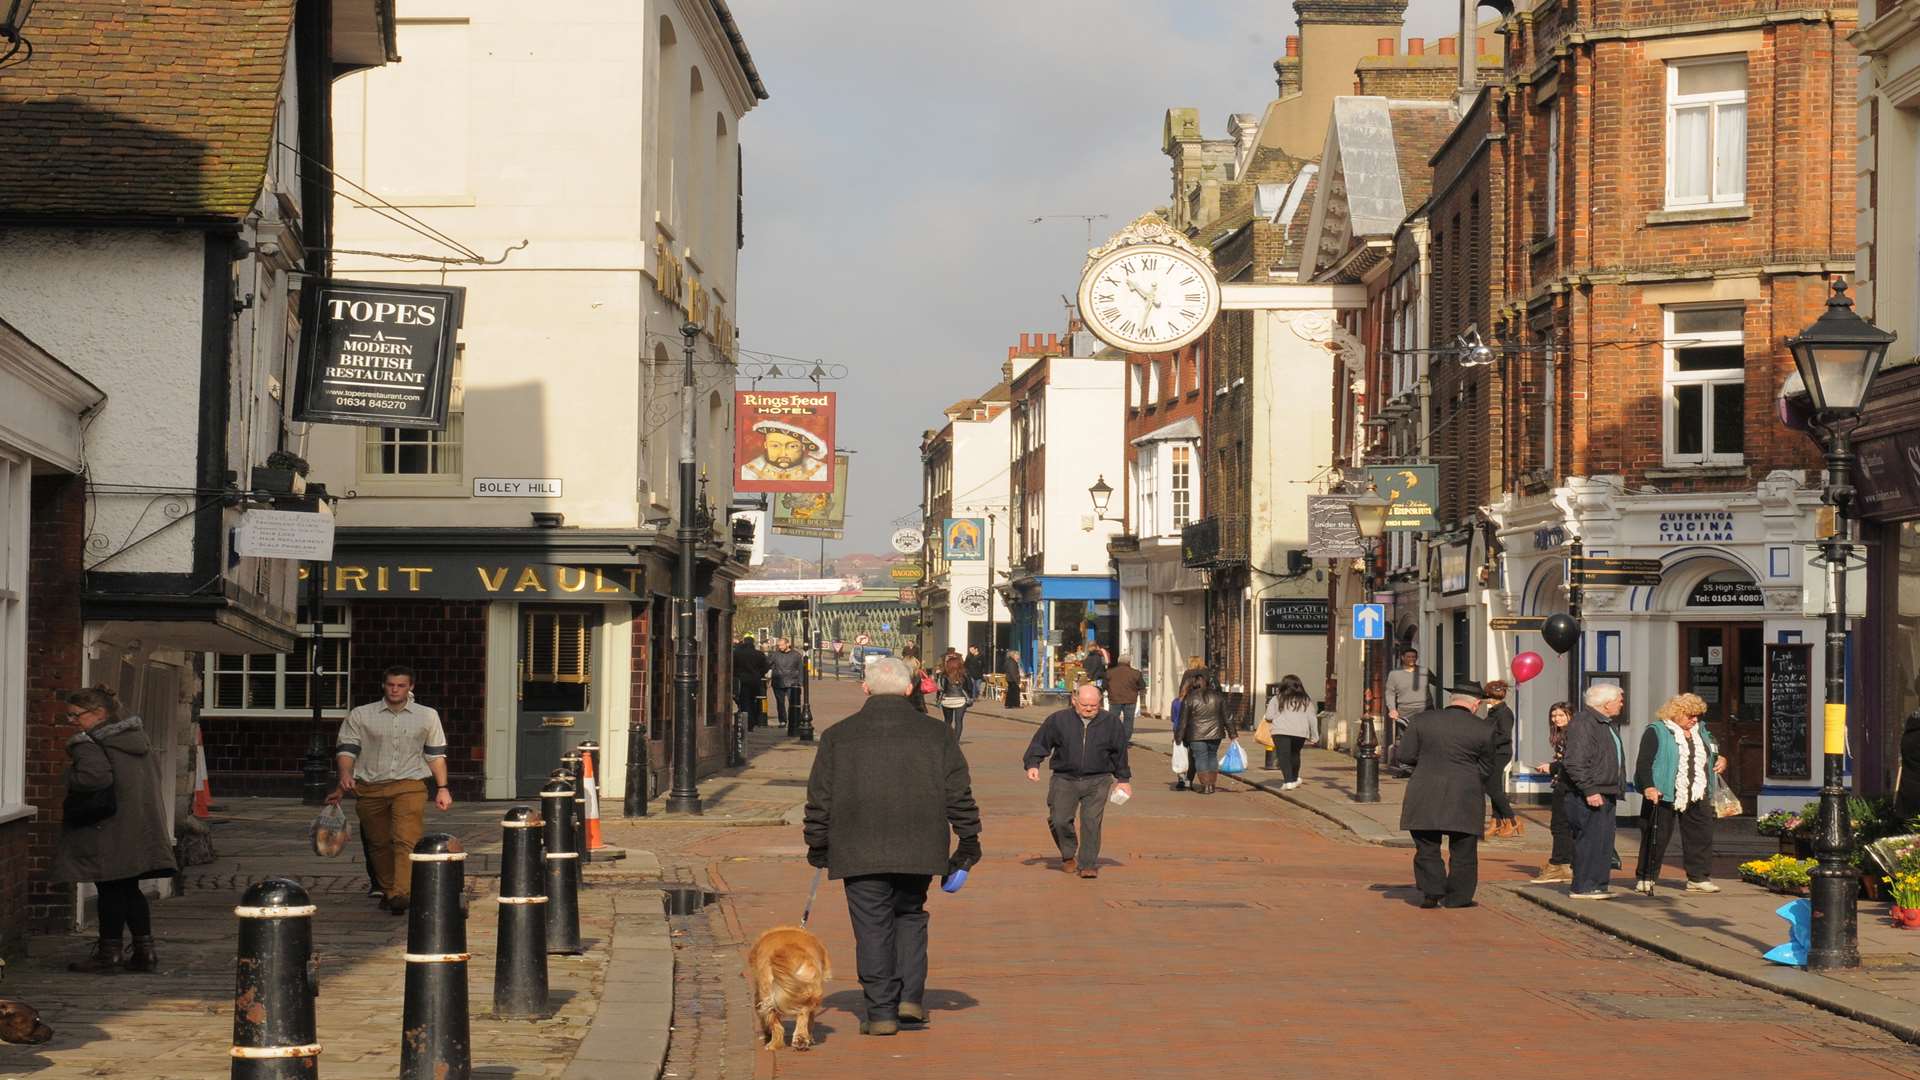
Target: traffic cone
202,793
593,803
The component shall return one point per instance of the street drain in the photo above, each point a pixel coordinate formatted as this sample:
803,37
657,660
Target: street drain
686,899
1182,904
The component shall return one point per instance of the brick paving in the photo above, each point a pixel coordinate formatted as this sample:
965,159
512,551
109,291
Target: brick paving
178,1025
1241,935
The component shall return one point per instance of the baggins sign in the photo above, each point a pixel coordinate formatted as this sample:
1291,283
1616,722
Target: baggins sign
378,354
451,578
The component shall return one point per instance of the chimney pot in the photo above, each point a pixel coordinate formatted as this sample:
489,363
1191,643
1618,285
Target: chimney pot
1486,48
1446,46
1384,46
1416,47
1293,44
1026,341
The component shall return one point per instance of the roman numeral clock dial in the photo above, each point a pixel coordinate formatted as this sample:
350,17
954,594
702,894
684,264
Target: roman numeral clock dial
1148,297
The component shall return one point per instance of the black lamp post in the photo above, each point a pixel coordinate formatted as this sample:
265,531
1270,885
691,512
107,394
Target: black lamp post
1370,518
13,18
1838,356
684,796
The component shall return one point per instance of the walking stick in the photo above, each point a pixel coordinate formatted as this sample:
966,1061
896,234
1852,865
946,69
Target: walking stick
811,893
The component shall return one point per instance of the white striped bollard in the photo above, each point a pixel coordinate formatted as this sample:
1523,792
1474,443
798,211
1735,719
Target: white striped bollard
435,1041
520,962
273,992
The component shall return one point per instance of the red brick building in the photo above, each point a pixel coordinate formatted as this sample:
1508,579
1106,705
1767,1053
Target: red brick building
1678,193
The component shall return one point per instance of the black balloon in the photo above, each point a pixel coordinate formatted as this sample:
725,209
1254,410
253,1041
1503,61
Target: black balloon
1561,632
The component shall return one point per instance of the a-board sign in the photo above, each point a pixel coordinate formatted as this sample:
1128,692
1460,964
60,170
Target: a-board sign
1789,711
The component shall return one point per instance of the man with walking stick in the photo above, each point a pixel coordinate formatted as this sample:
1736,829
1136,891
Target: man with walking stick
889,786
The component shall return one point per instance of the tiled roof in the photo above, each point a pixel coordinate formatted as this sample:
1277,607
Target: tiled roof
136,109
1418,130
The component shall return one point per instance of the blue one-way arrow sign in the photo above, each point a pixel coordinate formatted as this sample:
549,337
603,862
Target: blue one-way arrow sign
1370,622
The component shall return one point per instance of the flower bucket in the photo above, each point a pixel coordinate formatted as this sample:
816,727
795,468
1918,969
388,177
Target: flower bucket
1905,918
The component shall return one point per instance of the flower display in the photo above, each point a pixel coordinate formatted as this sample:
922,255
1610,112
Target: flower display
1905,889
1779,872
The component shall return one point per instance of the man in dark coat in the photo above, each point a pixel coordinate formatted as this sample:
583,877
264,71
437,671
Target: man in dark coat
750,681
789,667
1595,768
1450,750
1089,759
888,785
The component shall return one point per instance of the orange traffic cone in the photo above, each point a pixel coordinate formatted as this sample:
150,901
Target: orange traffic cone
593,803
202,794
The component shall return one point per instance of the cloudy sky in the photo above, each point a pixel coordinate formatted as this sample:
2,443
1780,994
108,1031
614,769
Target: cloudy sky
892,178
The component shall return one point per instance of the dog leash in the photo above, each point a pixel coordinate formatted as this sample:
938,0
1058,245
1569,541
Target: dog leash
811,893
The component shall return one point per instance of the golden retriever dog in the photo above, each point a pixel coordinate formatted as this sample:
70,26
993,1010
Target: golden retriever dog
790,972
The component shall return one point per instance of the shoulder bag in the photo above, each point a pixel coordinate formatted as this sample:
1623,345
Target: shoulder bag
83,808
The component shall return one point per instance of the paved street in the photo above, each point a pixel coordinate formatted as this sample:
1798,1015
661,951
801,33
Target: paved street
1237,935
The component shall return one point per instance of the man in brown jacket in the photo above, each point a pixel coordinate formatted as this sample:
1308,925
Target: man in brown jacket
1124,683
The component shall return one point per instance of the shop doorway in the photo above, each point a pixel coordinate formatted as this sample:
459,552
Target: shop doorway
555,673
1723,663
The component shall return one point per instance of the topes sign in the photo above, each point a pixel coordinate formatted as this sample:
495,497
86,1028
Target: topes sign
377,354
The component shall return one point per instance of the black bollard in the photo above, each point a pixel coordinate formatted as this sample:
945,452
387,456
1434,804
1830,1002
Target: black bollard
574,762
520,964
435,1043
563,897
273,1027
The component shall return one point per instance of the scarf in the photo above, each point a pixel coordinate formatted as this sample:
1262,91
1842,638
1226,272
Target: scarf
1690,773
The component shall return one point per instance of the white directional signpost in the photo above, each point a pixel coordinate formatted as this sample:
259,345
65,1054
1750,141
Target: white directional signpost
1369,622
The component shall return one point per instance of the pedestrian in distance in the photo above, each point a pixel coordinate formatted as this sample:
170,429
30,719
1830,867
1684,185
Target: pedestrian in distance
787,667
749,680
1089,761
1289,717
1094,665
1595,768
1015,679
114,828
1504,824
889,789
1409,692
1677,771
1559,868
1124,683
1195,677
955,693
385,752
1204,725
923,685
1449,750
977,669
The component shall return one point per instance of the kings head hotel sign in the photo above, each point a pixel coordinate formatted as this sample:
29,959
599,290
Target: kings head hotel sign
379,354
784,440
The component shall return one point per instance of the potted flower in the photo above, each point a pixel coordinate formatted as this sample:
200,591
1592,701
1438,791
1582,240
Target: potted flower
1905,891
1781,873
285,473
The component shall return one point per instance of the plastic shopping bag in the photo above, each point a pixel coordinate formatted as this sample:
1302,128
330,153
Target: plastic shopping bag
1725,802
1264,733
1799,916
1181,762
329,831
1234,760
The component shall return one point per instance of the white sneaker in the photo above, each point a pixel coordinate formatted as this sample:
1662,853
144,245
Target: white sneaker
1644,887
1597,894
1702,886
1290,785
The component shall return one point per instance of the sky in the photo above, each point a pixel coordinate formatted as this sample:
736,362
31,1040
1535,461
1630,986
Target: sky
893,175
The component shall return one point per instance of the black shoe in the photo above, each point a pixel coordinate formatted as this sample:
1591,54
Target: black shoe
1470,903
1429,902
394,905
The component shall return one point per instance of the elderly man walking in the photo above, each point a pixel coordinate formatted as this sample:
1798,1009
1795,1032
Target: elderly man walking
1450,751
1595,769
888,785
1089,760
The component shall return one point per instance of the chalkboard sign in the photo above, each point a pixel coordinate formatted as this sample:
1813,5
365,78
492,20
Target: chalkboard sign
1789,714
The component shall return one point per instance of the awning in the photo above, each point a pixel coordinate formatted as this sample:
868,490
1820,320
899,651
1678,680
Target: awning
1178,431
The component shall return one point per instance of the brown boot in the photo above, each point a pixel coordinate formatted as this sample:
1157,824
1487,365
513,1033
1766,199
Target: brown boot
103,960
141,956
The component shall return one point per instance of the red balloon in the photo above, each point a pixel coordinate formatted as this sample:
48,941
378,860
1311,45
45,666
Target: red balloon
1527,666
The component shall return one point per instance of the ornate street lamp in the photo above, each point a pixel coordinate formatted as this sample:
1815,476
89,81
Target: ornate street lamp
13,20
1370,520
1837,356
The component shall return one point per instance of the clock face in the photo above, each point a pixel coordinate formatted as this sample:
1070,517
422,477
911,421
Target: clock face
1148,298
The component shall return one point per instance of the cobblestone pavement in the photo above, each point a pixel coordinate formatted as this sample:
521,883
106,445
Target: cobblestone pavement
178,1024
1238,935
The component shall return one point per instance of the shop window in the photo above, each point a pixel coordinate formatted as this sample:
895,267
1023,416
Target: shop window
555,659
1707,133
420,452
1706,387
255,683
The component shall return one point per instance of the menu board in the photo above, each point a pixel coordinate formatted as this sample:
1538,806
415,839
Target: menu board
1789,712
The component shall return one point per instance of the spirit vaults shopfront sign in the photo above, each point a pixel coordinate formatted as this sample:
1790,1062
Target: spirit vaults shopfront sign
377,354
454,578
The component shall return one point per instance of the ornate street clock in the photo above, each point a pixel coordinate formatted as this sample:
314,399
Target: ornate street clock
1149,289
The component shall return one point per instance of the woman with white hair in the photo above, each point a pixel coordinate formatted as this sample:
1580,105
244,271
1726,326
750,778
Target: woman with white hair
1678,769
1595,769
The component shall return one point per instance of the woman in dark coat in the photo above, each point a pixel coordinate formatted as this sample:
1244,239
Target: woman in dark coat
116,853
1013,679
955,692
1505,822
1204,724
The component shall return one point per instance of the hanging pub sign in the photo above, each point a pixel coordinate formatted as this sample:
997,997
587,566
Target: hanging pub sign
1411,492
783,440
814,513
378,354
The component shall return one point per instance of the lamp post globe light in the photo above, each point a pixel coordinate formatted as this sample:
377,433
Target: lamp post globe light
1102,494
1370,520
1837,357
